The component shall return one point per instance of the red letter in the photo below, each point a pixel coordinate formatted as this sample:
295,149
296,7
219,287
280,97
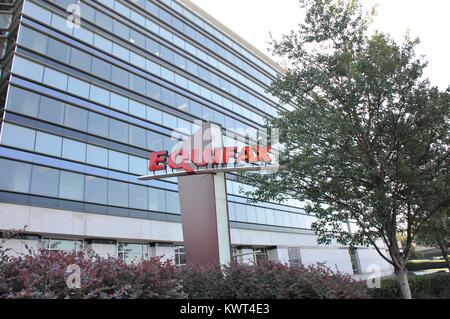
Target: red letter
246,155
201,162
155,159
184,157
262,153
229,152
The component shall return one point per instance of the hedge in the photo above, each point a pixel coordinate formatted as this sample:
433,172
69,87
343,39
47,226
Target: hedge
418,265
433,286
43,276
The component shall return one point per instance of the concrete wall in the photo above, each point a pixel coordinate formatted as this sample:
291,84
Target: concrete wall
60,223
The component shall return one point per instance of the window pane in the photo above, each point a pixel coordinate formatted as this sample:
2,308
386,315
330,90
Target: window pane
28,69
118,161
96,156
99,95
138,165
44,181
78,87
33,40
156,200
118,131
137,136
173,202
117,194
51,110
22,101
80,60
138,197
48,144
153,91
58,50
98,124
18,136
101,69
15,176
119,76
137,109
154,141
76,118
74,150
71,186
95,190
119,102
55,79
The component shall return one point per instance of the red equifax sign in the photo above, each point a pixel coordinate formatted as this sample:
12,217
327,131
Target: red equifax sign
183,159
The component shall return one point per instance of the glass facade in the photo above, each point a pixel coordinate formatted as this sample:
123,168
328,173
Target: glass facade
85,105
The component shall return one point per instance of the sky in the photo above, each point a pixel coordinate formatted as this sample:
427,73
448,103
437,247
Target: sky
427,19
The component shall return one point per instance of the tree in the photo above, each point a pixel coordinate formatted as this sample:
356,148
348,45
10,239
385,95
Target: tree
366,139
436,232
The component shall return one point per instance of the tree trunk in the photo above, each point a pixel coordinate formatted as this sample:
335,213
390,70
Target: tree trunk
402,277
444,250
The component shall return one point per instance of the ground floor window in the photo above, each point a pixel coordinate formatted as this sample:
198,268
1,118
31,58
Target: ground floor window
260,255
295,257
132,252
62,244
180,255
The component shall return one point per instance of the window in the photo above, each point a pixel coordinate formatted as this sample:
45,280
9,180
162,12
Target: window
180,255
33,40
154,141
172,202
168,97
117,193
153,91
156,200
80,60
119,102
102,43
97,156
169,120
78,87
44,181
118,161
28,69
99,95
119,76
103,21
121,30
137,136
22,101
138,165
261,255
101,69
62,244
137,83
74,150
129,252
294,256
58,50
48,144
98,124
51,110
95,190
137,109
154,115
76,118
15,176
138,197
118,131
71,186
18,136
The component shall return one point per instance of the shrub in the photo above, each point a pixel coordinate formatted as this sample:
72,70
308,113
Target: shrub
43,276
269,281
418,265
422,287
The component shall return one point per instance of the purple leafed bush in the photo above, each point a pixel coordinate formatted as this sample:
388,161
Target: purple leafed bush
44,276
